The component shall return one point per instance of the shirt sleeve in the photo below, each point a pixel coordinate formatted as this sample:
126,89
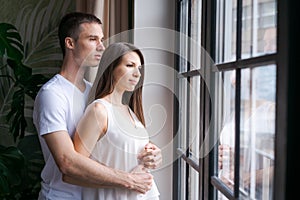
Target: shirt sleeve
50,111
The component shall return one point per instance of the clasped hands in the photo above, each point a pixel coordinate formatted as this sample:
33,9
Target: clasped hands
149,158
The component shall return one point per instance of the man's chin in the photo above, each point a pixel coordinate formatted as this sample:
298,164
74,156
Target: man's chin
95,65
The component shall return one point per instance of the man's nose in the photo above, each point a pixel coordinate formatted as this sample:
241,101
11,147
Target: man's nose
100,46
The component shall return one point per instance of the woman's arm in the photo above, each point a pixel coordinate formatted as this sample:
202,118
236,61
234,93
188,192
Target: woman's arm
90,173
90,129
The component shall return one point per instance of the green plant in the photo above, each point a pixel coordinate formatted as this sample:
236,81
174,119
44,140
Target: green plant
25,83
29,56
12,164
20,169
14,167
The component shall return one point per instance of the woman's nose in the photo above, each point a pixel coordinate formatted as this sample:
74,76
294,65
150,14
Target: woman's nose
137,72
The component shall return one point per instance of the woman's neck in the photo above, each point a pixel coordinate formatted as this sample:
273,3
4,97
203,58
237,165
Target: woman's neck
115,98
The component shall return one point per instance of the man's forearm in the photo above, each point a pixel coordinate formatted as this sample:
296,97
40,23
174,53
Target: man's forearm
87,172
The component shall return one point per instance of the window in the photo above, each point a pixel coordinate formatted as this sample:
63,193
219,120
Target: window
227,92
189,92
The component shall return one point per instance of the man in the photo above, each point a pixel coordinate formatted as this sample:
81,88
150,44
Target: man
57,109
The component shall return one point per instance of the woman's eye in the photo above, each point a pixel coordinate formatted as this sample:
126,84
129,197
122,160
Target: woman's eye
129,65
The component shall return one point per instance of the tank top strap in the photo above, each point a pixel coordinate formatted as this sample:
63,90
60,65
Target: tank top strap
109,109
104,102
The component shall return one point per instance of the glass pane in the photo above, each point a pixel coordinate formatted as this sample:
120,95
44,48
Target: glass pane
194,117
184,31
248,29
227,135
182,192
226,31
257,132
268,41
182,99
193,184
195,34
258,27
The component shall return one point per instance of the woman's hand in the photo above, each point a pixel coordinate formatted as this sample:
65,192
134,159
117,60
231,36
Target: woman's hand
150,156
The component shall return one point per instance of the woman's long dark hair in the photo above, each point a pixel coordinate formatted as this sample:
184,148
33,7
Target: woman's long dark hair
103,84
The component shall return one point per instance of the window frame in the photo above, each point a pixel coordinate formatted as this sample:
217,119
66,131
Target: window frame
207,166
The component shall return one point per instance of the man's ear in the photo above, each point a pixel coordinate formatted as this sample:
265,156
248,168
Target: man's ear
69,42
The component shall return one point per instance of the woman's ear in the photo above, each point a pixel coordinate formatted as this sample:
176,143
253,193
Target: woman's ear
69,42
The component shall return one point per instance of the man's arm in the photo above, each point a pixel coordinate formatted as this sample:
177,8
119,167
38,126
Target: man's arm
81,170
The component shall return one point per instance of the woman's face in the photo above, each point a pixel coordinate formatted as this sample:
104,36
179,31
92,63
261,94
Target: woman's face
127,74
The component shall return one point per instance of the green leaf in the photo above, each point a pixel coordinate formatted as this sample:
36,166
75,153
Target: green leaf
30,147
25,84
10,42
12,156
12,163
33,84
4,186
21,71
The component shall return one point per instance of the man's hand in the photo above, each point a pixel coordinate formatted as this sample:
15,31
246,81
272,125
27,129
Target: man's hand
142,179
150,156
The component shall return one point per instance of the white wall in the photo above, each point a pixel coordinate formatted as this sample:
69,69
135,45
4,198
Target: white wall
154,21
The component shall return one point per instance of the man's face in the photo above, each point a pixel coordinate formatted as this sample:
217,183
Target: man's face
89,45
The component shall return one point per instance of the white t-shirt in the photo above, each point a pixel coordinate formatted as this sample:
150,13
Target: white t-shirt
58,106
118,149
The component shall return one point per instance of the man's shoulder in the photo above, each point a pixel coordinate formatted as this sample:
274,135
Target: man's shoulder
52,82
53,87
57,84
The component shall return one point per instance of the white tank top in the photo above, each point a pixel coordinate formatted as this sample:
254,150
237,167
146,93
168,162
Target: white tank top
119,149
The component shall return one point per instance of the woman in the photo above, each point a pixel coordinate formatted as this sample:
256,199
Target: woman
112,130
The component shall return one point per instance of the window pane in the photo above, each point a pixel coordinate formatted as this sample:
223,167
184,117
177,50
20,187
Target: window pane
194,117
259,27
182,99
183,40
182,192
226,31
193,184
267,13
196,34
247,29
226,148
257,132
268,41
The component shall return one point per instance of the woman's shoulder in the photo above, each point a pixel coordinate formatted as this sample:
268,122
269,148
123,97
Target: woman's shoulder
102,101
97,107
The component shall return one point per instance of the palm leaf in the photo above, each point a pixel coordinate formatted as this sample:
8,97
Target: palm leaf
22,68
12,163
6,81
40,35
11,48
41,48
30,147
10,42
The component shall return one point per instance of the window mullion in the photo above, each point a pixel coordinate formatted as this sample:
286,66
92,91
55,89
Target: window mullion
238,100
